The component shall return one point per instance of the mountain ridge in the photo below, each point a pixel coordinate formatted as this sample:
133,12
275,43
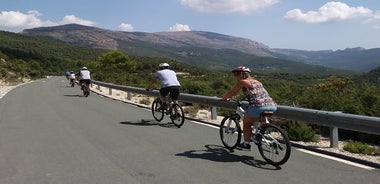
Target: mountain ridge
192,45
177,39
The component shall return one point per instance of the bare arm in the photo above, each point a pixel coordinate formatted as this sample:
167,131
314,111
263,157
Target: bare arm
233,91
151,82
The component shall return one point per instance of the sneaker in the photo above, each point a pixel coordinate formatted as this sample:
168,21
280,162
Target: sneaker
243,147
163,106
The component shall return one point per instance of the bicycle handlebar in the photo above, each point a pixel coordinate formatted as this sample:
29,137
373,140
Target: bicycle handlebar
239,102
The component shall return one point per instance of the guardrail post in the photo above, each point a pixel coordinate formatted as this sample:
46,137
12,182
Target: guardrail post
110,91
129,96
214,114
98,87
334,137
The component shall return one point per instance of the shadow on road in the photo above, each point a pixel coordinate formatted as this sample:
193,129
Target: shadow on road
220,154
73,95
144,122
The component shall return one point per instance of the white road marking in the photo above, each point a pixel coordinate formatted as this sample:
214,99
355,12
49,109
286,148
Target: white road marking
337,159
205,124
5,92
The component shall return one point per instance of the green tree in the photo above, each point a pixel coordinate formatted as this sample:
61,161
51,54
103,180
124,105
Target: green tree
113,66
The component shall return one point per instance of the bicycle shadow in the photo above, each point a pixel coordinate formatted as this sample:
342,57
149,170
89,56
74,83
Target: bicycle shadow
73,95
220,154
149,122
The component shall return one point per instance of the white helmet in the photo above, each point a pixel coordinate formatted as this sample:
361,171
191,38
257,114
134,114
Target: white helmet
164,65
84,68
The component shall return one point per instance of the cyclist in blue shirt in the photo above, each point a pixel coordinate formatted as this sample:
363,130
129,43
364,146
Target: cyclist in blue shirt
67,74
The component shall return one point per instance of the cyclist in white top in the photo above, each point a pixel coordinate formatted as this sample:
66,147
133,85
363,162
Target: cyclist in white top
169,83
85,77
72,78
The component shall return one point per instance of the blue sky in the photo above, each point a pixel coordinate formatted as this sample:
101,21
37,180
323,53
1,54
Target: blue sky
294,24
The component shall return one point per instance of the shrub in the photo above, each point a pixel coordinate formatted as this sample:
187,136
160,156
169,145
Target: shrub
145,101
358,147
192,110
298,131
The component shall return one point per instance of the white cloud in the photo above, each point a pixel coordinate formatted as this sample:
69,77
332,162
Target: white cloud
228,6
126,27
72,19
330,12
179,27
375,20
16,21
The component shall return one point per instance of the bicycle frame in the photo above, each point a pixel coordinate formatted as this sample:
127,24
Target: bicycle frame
174,110
170,103
239,113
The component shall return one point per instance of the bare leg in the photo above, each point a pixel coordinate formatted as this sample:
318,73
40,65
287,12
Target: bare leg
163,99
88,87
247,127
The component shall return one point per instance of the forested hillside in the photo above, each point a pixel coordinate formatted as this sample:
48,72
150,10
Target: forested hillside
52,56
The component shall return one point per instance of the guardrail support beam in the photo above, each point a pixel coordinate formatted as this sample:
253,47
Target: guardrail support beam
334,137
214,113
129,96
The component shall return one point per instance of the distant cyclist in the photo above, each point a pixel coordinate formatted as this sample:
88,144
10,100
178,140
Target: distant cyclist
67,74
85,77
169,83
72,78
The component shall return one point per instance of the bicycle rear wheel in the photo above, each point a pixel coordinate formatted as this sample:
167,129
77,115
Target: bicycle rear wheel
156,112
274,145
177,115
230,132
85,92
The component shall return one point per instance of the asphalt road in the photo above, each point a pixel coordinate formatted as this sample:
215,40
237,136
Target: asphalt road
49,133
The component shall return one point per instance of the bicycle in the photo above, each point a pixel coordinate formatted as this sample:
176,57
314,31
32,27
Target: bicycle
174,110
272,141
86,92
72,82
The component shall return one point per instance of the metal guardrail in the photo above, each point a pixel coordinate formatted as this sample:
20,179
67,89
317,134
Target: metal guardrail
334,120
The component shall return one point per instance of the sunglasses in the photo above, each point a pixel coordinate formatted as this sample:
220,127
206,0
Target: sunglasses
237,74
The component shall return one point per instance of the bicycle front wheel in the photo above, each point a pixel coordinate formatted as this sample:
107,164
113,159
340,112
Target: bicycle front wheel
157,113
230,132
274,145
177,115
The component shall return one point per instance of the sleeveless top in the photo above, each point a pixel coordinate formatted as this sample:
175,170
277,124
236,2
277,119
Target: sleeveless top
257,95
